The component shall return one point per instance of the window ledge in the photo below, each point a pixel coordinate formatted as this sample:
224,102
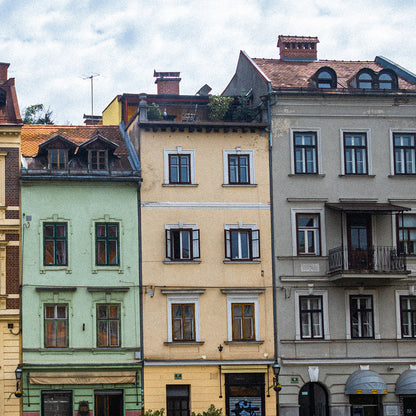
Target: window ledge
244,342
182,343
239,185
403,176
226,261
65,269
351,175
181,262
115,268
180,184
303,175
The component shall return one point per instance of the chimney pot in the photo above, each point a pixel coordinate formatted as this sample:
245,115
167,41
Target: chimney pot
167,82
298,48
3,71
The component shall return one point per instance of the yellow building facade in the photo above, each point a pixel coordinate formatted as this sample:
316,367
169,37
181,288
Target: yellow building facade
208,330
10,128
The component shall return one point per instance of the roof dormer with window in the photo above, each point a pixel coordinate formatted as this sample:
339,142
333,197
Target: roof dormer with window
97,153
325,78
56,152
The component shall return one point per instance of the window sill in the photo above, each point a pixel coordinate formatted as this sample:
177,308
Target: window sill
180,184
403,176
226,261
244,342
65,269
182,343
115,268
351,175
302,175
181,261
239,185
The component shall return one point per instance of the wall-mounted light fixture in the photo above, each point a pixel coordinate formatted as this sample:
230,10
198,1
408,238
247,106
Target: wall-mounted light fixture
276,371
18,373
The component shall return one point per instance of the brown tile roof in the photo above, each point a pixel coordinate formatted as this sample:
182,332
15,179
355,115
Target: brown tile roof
296,74
35,134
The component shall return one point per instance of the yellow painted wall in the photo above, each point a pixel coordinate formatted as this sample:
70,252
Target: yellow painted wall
204,387
112,113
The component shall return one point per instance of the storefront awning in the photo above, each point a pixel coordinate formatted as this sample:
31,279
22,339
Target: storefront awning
365,382
366,207
406,384
104,377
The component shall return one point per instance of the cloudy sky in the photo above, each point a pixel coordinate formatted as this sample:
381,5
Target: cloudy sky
52,45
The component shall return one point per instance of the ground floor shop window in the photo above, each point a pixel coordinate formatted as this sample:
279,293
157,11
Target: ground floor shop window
313,400
409,405
244,394
56,403
177,400
108,403
366,405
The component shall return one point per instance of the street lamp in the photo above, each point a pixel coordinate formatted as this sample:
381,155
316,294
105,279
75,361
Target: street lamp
18,373
276,386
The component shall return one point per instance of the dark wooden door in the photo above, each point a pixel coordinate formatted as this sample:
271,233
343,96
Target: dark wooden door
57,403
313,400
108,403
177,400
360,253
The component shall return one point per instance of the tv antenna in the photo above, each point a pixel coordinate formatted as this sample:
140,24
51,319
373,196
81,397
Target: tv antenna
91,77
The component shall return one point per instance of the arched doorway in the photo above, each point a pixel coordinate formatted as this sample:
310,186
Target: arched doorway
313,400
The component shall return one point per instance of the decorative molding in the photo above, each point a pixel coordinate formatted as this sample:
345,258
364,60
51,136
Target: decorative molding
207,205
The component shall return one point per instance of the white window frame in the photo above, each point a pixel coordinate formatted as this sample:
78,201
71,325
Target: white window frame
189,226
182,299
179,151
241,225
392,132
239,151
367,132
322,234
325,318
232,299
376,328
315,130
398,293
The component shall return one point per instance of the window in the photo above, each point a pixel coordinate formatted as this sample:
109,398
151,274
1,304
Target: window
243,321
239,169
108,326
179,167
308,234
306,152
107,244
242,244
311,317
56,326
355,153
182,244
55,244
361,312
326,79
406,234
97,159
183,322
387,80
408,316
365,80
57,159
404,153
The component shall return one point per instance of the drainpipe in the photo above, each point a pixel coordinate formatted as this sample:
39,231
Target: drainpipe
270,104
139,213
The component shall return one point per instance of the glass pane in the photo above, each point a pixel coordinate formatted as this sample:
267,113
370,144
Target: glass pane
306,221
408,220
176,244
61,252
306,328
186,245
102,312
48,230
301,242
316,323
49,252
50,334
61,334
112,252
61,311
112,230
113,312
237,328
49,311
60,230
245,245
101,230
174,173
103,333
248,328
244,167
114,333
234,244
101,252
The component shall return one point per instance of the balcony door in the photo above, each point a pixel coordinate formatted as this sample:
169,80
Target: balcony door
360,255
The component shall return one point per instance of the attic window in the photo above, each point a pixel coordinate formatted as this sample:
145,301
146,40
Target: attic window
387,80
365,80
326,78
97,159
57,158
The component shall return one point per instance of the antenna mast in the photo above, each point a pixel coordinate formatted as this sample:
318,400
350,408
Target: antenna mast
91,77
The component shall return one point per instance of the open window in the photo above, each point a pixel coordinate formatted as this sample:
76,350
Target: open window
182,242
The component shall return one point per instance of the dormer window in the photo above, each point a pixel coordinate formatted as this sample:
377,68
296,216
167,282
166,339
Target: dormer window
97,159
365,80
387,80
326,78
58,158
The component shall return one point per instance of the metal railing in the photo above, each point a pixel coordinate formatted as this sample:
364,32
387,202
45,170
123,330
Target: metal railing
380,259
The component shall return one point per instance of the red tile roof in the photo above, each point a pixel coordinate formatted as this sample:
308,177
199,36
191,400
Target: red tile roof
297,74
35,134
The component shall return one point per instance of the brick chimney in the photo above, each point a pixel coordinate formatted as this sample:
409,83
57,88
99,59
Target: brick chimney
167,82
298,48
3,71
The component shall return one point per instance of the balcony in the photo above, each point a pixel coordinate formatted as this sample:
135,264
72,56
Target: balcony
378,260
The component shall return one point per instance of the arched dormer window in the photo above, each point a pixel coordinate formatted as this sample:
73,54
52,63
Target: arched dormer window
365,79
326,78
387,80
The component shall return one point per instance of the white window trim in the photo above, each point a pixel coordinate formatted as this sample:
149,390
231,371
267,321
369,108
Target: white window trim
231,299
178,151
376,328
178,226
369,158
238,151
321,213
292,132
241,225
312,292
398,293
392,131
189,299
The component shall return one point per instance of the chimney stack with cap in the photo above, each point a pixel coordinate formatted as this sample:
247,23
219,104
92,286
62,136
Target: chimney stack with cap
3,71
298,48
167,82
